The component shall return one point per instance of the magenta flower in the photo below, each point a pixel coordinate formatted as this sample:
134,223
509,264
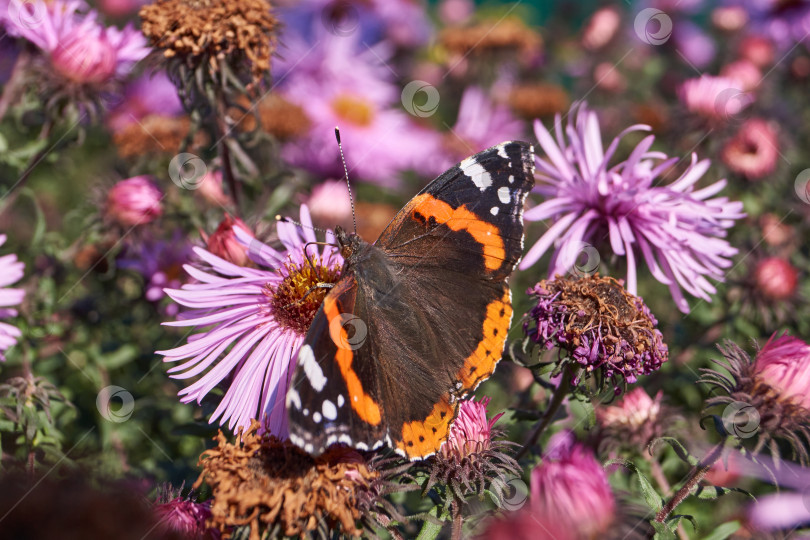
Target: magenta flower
471,431
150,94
224,244
253,321
754,151
134,201
784,365
571,488
678,230
782,511
776,279
80,48
11,271
188,518
339,83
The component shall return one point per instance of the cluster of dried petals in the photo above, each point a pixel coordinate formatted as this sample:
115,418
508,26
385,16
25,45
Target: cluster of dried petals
510,34
199,31
155,134
603,328
538,100
263,482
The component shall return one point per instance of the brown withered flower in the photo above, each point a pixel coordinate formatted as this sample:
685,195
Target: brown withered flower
507,35
538,100
277,116
272,485
155,134
195,33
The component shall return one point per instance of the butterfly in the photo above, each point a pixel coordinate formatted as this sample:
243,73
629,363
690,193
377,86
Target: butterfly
418,319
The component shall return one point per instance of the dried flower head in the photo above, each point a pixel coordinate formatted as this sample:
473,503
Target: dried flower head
507,35
474,459
213,33
538,100
765,398
272,485
603,329
155,134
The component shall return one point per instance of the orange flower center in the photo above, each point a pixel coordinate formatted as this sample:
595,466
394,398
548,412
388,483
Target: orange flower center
353,110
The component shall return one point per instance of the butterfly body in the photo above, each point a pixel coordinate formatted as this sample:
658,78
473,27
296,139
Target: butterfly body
419,318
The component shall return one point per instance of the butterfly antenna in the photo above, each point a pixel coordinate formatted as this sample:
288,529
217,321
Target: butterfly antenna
346,171
285,219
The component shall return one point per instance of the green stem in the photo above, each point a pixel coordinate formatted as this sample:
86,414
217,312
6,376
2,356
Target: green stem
663,484
695,475
556,401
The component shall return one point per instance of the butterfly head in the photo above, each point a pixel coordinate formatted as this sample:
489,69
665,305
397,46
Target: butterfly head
349,243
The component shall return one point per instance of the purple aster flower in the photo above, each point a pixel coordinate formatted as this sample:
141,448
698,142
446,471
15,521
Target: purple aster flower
338,83
603,329
481,123
785,22
160,262
11,271
678,230
254,320
80,48
152,93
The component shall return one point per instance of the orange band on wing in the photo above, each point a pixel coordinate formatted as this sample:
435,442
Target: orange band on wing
461,219
421,438
363,404
481,363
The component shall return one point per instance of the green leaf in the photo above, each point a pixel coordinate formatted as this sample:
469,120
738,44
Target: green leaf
709,493
430,530
721,532
119,357
662,531
676,445
651,496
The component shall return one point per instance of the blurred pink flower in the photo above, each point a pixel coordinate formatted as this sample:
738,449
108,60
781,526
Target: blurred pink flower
746,73
525,525
601,28
782,511
679,230
329,203
776,279
570,488
210,189
633,410
185,517
80,48
252,320
224,244
11,271
471,432
338,83
693,44
455,11
121,8
729,18
134,201
784,365
754,151
717,99
757,50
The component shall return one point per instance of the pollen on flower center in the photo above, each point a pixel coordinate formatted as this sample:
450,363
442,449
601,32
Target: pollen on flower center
354,110
297,298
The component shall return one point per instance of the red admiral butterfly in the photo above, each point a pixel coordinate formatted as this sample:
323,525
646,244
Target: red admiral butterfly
419,318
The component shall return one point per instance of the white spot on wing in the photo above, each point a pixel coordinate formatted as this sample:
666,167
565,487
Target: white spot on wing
314,373
329,410
316,417
293,399
502,152
504,194
494,210
306,412
476,172
340,400
511,179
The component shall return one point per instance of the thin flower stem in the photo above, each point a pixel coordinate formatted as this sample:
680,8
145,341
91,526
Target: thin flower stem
12,89
224,150
663,484
457,522
695,475
556,401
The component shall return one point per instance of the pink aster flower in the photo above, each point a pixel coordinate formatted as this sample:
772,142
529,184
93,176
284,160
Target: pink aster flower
339,83
782,511
80,48
571,488
188,518
134,201
754,150
776,279
717,99
677,229
224,244
784,365
11,271
471,432
330,203
253,320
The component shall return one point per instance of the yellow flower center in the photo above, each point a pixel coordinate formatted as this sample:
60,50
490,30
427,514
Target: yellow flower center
353,110
297,298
